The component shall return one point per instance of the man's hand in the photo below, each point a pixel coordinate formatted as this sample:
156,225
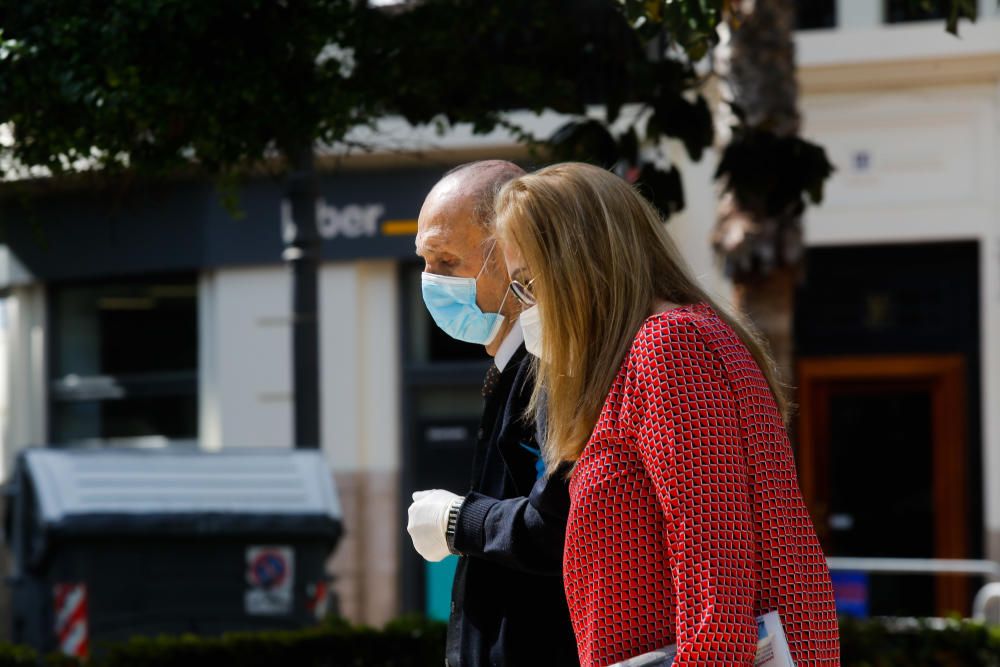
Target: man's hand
428,521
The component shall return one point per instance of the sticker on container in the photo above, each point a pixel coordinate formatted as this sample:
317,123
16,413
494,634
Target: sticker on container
270,580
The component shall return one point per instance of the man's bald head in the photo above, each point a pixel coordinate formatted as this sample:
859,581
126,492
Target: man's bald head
482,180
455,232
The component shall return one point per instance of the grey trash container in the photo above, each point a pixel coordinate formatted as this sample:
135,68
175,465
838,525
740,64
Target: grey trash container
109,544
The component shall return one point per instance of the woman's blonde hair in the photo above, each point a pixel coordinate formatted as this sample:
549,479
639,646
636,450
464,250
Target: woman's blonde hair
600,259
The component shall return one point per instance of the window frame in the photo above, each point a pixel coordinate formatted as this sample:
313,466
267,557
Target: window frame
72,388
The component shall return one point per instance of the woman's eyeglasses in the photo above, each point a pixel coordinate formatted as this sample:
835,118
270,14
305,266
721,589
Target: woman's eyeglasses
523,292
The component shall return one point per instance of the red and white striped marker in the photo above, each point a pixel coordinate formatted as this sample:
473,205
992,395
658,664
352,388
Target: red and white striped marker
70,612
319,598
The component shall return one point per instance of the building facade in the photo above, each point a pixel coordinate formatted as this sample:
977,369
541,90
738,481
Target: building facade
896,327
156,317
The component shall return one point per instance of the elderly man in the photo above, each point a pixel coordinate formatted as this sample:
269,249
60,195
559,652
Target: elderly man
508,606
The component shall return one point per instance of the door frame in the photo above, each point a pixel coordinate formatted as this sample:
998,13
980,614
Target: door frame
943,375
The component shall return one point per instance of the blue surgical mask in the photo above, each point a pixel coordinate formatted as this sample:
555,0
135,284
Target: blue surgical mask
452,303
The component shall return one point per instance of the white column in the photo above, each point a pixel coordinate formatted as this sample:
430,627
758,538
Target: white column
859,13
341,330
381,372
360,335
26,379
990,346
248,374
361,367
209,389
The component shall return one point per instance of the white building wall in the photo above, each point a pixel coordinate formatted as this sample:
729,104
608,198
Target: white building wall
361,365
26,373
342,360
244,358
245,382
360,330
859,13
990,300
691,229
245,348
880,43
912,165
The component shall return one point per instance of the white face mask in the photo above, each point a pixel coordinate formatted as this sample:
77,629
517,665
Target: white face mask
531,325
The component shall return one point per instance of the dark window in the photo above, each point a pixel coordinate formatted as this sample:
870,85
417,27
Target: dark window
814,14
903,11
124,361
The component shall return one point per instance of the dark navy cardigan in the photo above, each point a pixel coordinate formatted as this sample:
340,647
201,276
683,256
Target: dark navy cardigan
508,605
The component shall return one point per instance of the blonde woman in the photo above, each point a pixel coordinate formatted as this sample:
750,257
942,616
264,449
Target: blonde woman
687,521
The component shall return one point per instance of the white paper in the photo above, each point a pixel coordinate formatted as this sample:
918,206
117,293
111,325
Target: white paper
662,658
772,648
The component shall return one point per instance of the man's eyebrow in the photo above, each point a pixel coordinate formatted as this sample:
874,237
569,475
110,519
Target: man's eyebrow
425,245
428,251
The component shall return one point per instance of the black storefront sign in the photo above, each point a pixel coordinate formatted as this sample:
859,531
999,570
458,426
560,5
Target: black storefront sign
77,234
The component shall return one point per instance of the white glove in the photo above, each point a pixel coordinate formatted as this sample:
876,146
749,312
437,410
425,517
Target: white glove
428,521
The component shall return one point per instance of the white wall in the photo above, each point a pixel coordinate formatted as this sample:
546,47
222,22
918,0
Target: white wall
870,14
361,365
859,13
911,165
990,308
245,348
26,373
691,229
244,358
917,41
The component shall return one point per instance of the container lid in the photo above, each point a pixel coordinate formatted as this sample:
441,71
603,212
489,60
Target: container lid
181,491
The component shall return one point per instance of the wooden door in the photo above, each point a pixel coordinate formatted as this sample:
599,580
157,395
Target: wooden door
902,476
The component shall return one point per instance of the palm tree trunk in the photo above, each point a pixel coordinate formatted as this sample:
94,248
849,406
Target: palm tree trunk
769,303
759,78
762,67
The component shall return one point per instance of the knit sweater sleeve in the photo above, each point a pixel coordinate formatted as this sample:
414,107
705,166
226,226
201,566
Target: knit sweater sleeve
687,432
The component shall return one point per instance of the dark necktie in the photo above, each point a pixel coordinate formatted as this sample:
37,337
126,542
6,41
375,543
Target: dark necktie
490,383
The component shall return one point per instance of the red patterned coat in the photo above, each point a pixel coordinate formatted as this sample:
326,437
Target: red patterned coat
687,520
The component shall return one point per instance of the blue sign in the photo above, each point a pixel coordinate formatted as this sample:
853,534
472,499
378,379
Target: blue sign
851,592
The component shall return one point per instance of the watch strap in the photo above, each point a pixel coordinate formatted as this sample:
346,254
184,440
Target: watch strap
449,533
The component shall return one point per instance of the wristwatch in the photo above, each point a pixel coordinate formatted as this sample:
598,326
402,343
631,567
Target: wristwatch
449,533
